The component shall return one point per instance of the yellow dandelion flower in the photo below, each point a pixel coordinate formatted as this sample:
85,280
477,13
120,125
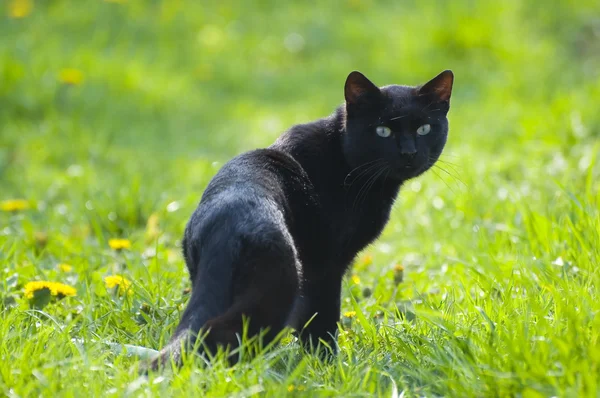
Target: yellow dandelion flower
398,273
41,238
119,244
363,262
355,279
350,314
152,229
20,8
118,281
71,76
65,267
291,388
56,289
14,205
367,259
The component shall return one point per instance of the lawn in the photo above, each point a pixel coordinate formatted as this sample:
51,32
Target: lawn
114,115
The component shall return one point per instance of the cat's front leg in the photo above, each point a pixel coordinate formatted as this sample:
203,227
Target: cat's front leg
317,312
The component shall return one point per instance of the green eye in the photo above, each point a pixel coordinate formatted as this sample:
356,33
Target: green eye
424,129
383,131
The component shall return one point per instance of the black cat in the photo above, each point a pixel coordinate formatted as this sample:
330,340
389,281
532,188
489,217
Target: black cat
277,228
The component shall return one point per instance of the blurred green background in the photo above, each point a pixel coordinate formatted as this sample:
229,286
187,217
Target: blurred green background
114,115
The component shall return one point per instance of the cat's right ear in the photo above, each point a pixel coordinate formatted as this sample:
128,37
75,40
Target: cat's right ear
440,87
359,89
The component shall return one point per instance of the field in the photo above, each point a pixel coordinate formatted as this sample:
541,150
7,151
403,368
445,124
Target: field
114,115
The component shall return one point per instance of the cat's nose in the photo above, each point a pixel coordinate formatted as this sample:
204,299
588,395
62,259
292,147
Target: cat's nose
408,150
407,145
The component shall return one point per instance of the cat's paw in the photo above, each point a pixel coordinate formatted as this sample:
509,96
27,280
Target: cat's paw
324,348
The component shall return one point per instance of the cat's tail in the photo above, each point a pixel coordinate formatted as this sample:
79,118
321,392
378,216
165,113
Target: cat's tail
257,286
210,298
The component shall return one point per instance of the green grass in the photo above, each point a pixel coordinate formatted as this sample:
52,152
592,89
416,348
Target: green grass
500,244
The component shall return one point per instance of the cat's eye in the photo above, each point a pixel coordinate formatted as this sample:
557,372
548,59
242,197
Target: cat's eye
424,129
383,131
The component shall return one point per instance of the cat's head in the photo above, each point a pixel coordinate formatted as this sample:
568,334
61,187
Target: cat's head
399,127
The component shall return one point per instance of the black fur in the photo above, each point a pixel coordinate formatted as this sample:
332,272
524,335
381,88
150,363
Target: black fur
277,228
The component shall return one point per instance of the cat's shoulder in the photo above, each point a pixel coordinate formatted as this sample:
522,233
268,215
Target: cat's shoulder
307,137
270,158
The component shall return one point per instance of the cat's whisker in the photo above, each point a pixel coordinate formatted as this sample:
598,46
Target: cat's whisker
363,188
449,155
451,175
441,179
398,117
454,175
444,161
359,167
452,166
357,198
364,191
388,170
448,162
383,170
362,165
371,166
365,173
370,173
455,167
360,192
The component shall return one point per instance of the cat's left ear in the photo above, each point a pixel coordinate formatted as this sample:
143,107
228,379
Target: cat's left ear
440,86
359,89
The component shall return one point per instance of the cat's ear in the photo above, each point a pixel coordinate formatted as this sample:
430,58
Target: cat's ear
358,89
440,86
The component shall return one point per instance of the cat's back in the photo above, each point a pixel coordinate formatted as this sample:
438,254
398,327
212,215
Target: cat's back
261,171
252,187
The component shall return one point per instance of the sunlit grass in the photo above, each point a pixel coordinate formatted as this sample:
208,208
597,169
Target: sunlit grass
115,115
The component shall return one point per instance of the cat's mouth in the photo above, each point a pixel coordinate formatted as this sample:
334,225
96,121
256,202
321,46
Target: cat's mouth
409,168
407,163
